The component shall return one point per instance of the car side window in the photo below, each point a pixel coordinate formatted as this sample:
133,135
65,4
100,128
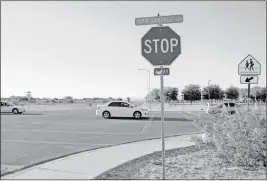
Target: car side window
114,104
226,104
123,104
232,104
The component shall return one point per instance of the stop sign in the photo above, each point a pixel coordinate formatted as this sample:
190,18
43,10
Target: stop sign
161,45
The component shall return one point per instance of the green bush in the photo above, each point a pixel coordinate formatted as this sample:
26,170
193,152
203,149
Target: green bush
239,138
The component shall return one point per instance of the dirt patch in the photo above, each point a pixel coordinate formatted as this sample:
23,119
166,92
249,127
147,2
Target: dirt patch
183,163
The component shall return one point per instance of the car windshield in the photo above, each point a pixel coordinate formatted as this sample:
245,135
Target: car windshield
10,104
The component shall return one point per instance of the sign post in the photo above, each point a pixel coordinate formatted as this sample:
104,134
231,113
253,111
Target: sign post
162,123
249,68
248,94
161,46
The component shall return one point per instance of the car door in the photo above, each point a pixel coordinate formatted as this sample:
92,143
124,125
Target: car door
126,110
5,107
114,108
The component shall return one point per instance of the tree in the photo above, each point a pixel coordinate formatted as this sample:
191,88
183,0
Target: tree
243,93
255,91
215,92
171,93
128,99
192,92
232,92
23,98
263,94
155,94
111,99
119,99
68,97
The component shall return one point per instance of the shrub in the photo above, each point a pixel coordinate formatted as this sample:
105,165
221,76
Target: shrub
239,138
70,101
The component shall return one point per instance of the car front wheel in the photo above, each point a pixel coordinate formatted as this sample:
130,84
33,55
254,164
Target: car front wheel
15,111
106,114
137,115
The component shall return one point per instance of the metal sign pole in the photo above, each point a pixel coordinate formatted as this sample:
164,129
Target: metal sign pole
149,95
162,123
248,94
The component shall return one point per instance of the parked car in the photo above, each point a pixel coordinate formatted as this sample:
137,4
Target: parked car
121,109
227,107
8,107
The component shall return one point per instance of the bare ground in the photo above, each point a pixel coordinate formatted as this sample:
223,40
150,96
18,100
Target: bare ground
183,163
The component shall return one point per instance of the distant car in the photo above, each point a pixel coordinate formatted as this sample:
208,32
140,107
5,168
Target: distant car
227,107
121,109
8,107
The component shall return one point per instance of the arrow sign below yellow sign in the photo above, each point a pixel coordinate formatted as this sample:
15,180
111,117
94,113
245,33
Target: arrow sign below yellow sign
249,79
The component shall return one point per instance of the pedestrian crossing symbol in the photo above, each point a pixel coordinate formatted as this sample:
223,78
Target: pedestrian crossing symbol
249,66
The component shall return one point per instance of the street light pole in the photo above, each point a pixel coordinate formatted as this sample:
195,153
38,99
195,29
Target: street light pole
201,96
149,95
209,89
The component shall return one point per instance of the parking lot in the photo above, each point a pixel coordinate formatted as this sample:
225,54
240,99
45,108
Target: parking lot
43,134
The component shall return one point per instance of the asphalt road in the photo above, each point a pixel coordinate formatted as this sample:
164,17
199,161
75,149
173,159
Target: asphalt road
39,136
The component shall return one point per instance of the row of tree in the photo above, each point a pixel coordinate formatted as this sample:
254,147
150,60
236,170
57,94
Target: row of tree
193,92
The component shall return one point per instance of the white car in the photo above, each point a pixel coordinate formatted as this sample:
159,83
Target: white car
227,107
121,109
8,107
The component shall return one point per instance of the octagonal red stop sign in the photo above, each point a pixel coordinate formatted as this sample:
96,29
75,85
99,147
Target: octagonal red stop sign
161,45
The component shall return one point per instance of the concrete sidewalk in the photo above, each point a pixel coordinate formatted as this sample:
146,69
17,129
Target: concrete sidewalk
90,164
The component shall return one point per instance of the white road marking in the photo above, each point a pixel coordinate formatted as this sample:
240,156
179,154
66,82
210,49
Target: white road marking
146,127
89,122
70,132
49,142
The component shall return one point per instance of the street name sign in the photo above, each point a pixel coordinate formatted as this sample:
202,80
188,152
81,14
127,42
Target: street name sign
159,20
253,79
249,66
161,45
166,71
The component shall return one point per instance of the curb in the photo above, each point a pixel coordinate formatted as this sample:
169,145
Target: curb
84,151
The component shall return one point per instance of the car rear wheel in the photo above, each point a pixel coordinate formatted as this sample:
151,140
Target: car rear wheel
106,114
15,111
137,115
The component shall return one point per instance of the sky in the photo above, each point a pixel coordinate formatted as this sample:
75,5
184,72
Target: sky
93,49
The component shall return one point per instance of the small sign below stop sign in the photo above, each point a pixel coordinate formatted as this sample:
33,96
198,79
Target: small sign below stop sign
161,45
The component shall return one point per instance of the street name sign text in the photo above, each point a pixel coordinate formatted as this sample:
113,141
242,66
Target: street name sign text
159,20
